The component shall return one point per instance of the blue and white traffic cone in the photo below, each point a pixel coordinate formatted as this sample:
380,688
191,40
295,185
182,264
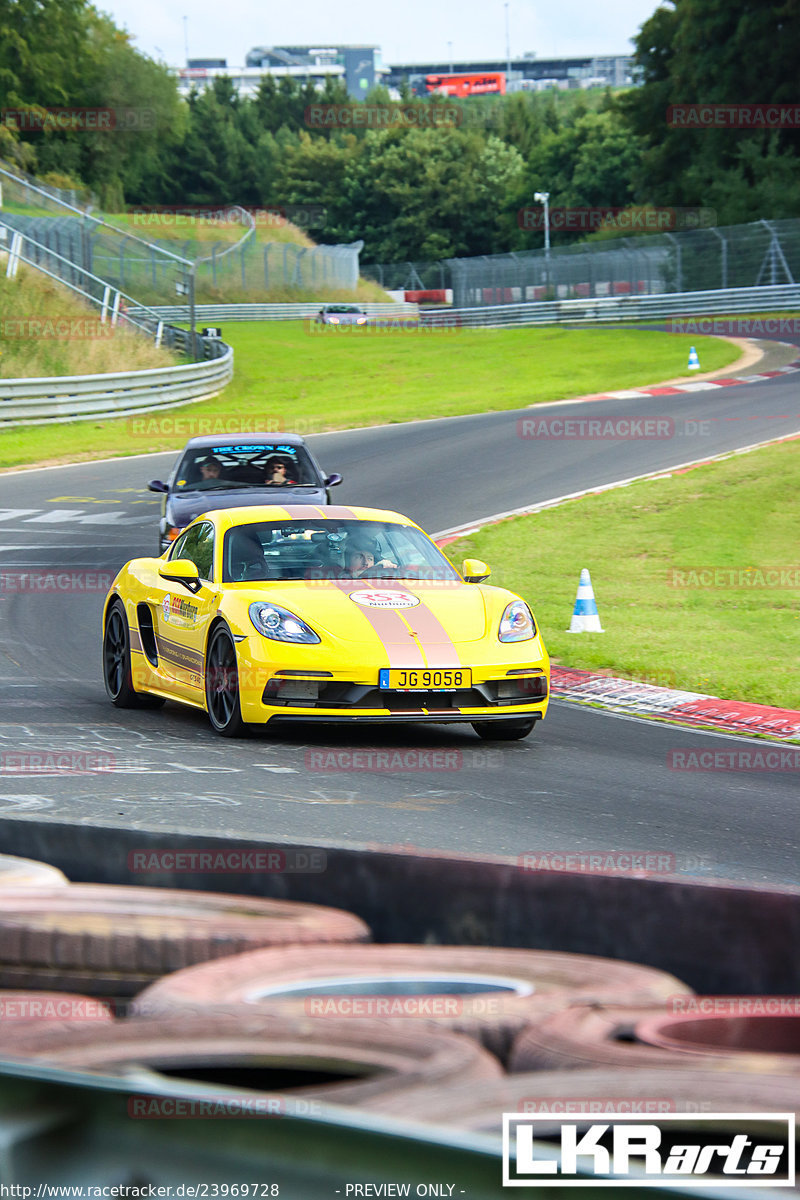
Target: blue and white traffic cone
585,617
694,361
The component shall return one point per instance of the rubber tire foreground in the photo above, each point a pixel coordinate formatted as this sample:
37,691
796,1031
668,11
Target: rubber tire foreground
112,941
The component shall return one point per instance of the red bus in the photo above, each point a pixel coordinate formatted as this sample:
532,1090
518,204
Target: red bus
467,85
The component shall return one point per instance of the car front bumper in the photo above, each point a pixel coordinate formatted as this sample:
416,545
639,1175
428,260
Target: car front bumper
288,690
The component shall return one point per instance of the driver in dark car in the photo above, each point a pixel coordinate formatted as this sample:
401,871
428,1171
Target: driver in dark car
278,475
210,468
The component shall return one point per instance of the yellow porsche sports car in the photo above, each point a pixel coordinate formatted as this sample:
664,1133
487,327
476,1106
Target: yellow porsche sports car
307,613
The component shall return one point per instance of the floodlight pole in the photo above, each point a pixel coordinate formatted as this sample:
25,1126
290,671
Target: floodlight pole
544,198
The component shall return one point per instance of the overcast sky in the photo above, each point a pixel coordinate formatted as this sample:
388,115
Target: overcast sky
411,31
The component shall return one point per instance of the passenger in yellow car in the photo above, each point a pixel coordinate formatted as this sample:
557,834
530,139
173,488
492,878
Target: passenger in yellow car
247,559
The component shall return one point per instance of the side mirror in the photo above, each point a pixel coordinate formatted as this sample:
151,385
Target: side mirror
474,571
332,480
155,485
182,571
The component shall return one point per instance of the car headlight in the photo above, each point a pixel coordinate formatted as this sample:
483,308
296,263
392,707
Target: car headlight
279,624
334,320
517,623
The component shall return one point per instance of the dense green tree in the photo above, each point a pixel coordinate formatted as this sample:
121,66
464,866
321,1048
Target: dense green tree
414,193
42,51
727,52
586,162
312,170
215,164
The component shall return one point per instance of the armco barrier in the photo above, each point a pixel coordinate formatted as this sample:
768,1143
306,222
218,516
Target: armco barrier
612,309
83,397
217,313
784,297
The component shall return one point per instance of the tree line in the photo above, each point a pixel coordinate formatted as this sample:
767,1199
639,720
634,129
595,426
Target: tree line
453,183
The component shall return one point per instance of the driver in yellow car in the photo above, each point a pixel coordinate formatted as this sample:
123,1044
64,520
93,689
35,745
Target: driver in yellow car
360,558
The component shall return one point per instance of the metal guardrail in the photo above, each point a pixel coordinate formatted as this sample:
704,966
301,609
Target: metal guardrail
119,394
37,401
783,297
271,312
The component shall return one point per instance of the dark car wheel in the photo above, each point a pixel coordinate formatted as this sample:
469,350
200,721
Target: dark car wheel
503,731
117,674
222,685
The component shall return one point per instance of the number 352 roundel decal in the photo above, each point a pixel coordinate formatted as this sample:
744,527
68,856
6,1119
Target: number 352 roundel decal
385,599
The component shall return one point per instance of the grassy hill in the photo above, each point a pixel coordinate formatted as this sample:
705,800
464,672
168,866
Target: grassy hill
46,330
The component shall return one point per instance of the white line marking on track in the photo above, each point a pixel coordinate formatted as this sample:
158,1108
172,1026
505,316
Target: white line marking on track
55,516
529,509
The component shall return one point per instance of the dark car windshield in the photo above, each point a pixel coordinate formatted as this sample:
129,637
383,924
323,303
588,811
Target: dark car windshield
246,465
320,549
342,308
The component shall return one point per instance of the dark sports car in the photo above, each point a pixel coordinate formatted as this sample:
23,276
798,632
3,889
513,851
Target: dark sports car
231,471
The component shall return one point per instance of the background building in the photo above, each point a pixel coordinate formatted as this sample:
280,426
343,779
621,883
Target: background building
528,73
359,67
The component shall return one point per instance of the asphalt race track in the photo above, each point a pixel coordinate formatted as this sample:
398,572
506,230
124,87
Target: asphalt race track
585,781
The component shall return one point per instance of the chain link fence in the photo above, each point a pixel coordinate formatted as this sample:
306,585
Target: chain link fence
409,276
157,271
761,254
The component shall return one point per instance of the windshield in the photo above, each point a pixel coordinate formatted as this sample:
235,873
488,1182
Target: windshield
320,549
246,465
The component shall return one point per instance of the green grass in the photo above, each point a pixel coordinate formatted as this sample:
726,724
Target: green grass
46,330
640,544
290,378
